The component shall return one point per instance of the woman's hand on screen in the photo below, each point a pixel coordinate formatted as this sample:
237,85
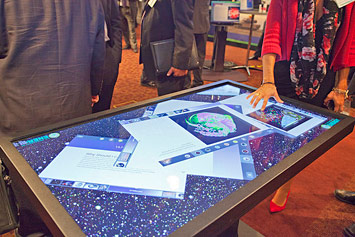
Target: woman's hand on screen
264,93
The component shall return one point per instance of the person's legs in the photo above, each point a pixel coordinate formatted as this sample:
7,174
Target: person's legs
349,231
141,4
125,31
281,194
284,88
201,40
110,77
134,11
145,81
188,80
131,28
232,231
104,99
166,85
347,197
30,220
282,80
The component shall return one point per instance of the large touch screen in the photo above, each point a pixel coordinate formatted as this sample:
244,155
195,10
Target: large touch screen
151,170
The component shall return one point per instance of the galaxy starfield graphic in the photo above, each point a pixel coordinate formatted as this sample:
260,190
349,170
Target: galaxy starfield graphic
211,126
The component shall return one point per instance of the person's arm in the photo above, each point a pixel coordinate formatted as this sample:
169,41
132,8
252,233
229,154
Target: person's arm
98,56
268,88
116,31
338,94
271,50
272,32
184,36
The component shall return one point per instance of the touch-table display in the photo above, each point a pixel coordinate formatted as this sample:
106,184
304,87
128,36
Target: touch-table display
151,170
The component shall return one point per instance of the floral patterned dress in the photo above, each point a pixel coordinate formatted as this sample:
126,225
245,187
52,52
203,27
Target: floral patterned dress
312,46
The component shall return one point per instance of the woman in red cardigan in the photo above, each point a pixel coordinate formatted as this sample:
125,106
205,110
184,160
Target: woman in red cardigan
298,39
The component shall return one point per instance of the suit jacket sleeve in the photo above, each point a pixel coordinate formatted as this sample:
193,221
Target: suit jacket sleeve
183,21
3,32
98,56
116,31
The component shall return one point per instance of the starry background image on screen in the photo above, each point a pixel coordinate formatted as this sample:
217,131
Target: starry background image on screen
135,215
242,127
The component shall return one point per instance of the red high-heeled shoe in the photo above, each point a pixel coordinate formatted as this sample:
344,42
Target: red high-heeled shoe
276,208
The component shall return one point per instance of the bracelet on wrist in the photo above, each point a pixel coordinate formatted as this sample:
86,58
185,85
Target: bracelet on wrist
340,91
268,82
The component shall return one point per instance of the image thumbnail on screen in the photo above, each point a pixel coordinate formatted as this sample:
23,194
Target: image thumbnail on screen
213,125
279,117
233,13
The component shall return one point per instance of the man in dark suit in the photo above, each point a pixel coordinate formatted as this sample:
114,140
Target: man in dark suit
201,21
166,19
113,38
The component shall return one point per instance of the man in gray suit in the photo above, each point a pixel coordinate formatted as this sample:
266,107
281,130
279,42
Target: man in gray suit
128,10
167,19
113,54
201,27
52,66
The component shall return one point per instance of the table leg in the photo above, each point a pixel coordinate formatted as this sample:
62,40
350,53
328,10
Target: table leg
219,49
246,66
231,231
249,43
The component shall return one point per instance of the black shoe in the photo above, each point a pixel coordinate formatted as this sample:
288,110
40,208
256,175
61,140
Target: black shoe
148,84
345,196
254,57
126,47
196,85
349,231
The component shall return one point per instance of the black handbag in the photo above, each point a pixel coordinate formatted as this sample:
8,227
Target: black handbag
9,209
163,51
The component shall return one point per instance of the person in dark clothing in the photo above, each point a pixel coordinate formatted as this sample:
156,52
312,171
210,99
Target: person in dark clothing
145,81
167,19
128,11
347,197
113,54
201,20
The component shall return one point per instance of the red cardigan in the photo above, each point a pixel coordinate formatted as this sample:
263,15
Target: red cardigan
281,27
344,45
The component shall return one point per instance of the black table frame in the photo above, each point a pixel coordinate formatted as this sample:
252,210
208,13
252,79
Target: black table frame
213,221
